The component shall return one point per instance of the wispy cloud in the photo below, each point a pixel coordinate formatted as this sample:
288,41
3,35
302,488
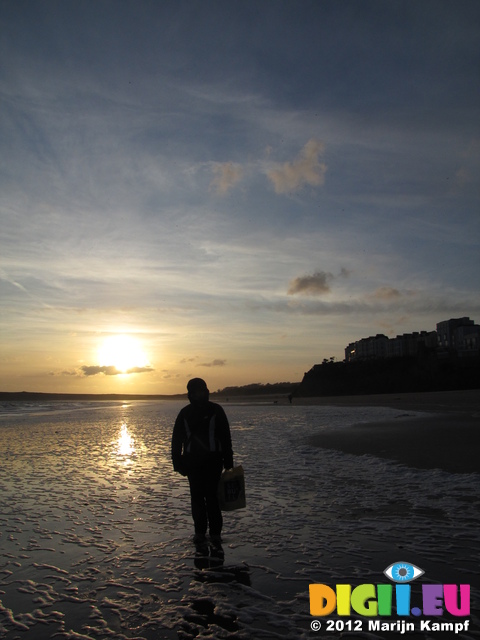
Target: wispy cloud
386,293
434,307
226,176
391,295
306,169
214,363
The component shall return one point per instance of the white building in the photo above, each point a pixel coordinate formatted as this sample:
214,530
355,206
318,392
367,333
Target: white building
379,346
460,336
367,348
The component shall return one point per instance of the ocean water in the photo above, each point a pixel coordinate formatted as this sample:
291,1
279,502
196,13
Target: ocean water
95,528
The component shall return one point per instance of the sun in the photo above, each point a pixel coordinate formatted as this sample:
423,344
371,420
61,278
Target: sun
123,352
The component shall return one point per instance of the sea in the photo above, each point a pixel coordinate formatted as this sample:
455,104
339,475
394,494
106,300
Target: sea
96,532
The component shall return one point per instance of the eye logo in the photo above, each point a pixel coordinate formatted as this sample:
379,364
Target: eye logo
403,572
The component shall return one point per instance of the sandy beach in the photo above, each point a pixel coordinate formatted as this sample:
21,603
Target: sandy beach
467,401
96,533
446,437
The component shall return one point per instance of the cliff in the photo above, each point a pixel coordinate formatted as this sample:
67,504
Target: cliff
390,375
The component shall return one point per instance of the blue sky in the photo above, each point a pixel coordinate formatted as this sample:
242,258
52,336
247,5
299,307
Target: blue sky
242,187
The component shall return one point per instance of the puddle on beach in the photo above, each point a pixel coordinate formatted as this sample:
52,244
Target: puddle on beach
95,529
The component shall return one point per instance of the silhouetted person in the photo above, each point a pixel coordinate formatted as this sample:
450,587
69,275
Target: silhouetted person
201,448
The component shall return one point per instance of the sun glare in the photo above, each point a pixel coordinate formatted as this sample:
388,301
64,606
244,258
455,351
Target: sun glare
125,445
122,352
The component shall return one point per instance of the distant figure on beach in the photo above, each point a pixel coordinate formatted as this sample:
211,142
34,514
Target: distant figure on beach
201,448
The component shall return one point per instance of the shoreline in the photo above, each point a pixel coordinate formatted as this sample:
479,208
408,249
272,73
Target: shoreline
461,401
445,437
428,401
418,401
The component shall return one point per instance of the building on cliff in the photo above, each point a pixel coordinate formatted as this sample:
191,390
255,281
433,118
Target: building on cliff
448,358
379,346
457,336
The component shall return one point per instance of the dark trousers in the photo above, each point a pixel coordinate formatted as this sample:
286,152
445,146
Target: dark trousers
204,478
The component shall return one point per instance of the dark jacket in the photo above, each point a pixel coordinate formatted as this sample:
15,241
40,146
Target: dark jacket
201,434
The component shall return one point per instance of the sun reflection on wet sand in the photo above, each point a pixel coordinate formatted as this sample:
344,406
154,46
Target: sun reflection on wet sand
125,443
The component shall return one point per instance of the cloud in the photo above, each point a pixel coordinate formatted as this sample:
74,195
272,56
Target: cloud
390,294
71,373
386,293
94,370
435,306
305,169
314,285
110,370
214,363
170,375
227,175
392,326
140,370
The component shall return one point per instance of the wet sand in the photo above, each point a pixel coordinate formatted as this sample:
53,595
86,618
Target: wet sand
446,437
96,529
